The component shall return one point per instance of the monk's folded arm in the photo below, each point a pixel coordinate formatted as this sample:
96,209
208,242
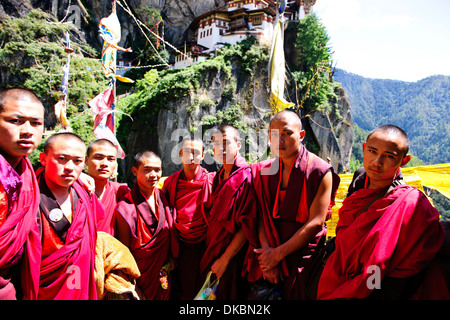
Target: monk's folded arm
317,216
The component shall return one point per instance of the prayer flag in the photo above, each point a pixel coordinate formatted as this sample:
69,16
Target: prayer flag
60,113
109,29
277,71
102,131
60,106
102,107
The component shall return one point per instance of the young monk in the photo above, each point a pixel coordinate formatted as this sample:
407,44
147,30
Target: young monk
231,216
185,190
68,216
101,161
294,191
21,127
388,233
144,225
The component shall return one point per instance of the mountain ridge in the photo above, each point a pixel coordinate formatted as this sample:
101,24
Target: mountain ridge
421,108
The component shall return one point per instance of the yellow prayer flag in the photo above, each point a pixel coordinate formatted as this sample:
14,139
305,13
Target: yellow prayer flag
277,72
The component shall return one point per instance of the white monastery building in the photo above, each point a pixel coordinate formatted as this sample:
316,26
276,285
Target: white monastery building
232,23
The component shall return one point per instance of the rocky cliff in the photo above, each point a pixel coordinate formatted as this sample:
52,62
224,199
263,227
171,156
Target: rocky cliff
231,91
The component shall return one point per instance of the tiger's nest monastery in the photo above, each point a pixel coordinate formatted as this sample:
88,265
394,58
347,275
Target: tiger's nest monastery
232,23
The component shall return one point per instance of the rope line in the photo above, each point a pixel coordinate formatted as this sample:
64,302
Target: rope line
140,23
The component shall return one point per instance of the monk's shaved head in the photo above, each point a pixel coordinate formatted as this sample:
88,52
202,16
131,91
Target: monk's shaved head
69,137
289,116
396,131
18,94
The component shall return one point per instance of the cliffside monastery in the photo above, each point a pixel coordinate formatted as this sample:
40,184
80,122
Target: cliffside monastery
232,23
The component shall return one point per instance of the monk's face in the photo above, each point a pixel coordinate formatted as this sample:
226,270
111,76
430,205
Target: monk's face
63,162
192,154
383,156
102,162
21,127
286,135
226,146
148,173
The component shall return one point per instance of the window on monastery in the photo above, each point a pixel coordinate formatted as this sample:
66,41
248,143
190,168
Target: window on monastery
257,20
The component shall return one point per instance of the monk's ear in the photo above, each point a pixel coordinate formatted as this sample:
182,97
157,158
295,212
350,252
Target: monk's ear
43,158
405,160
302,135
364,146
134,171
239,145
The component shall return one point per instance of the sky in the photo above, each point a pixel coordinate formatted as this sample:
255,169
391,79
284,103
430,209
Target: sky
404,40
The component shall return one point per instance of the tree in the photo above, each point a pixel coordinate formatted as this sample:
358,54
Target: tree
313,72
312,44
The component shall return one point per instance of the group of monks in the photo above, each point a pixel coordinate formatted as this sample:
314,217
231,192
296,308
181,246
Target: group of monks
69,235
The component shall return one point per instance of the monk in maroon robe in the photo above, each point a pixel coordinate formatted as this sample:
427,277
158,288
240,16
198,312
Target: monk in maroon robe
144,225
21,127
185,190
68,218
295,192
388,233
101,161
231,214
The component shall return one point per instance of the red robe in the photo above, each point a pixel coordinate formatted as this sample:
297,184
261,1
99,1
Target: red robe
19,230
152,240
67,267
399,235
114,192
229,207
290,215
189,220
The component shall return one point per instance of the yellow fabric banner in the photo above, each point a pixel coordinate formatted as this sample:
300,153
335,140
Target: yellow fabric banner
435,177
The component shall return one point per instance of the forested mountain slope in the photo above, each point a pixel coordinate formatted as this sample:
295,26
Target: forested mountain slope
420,108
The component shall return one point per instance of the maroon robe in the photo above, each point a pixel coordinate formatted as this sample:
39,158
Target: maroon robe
114,192
185,197
19,230
399,235
280,225
67,267
152,240
230,206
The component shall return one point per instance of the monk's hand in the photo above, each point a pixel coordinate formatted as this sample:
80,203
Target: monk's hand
273,275
219,266
268,258
88,183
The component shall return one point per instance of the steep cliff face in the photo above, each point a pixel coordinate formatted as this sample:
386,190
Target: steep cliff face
213,93
334,132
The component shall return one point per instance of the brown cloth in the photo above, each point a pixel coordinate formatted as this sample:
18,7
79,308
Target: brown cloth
116,270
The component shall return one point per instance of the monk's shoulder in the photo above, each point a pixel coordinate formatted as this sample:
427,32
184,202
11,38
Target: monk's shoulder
171,179
414,201
423,204
125,201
